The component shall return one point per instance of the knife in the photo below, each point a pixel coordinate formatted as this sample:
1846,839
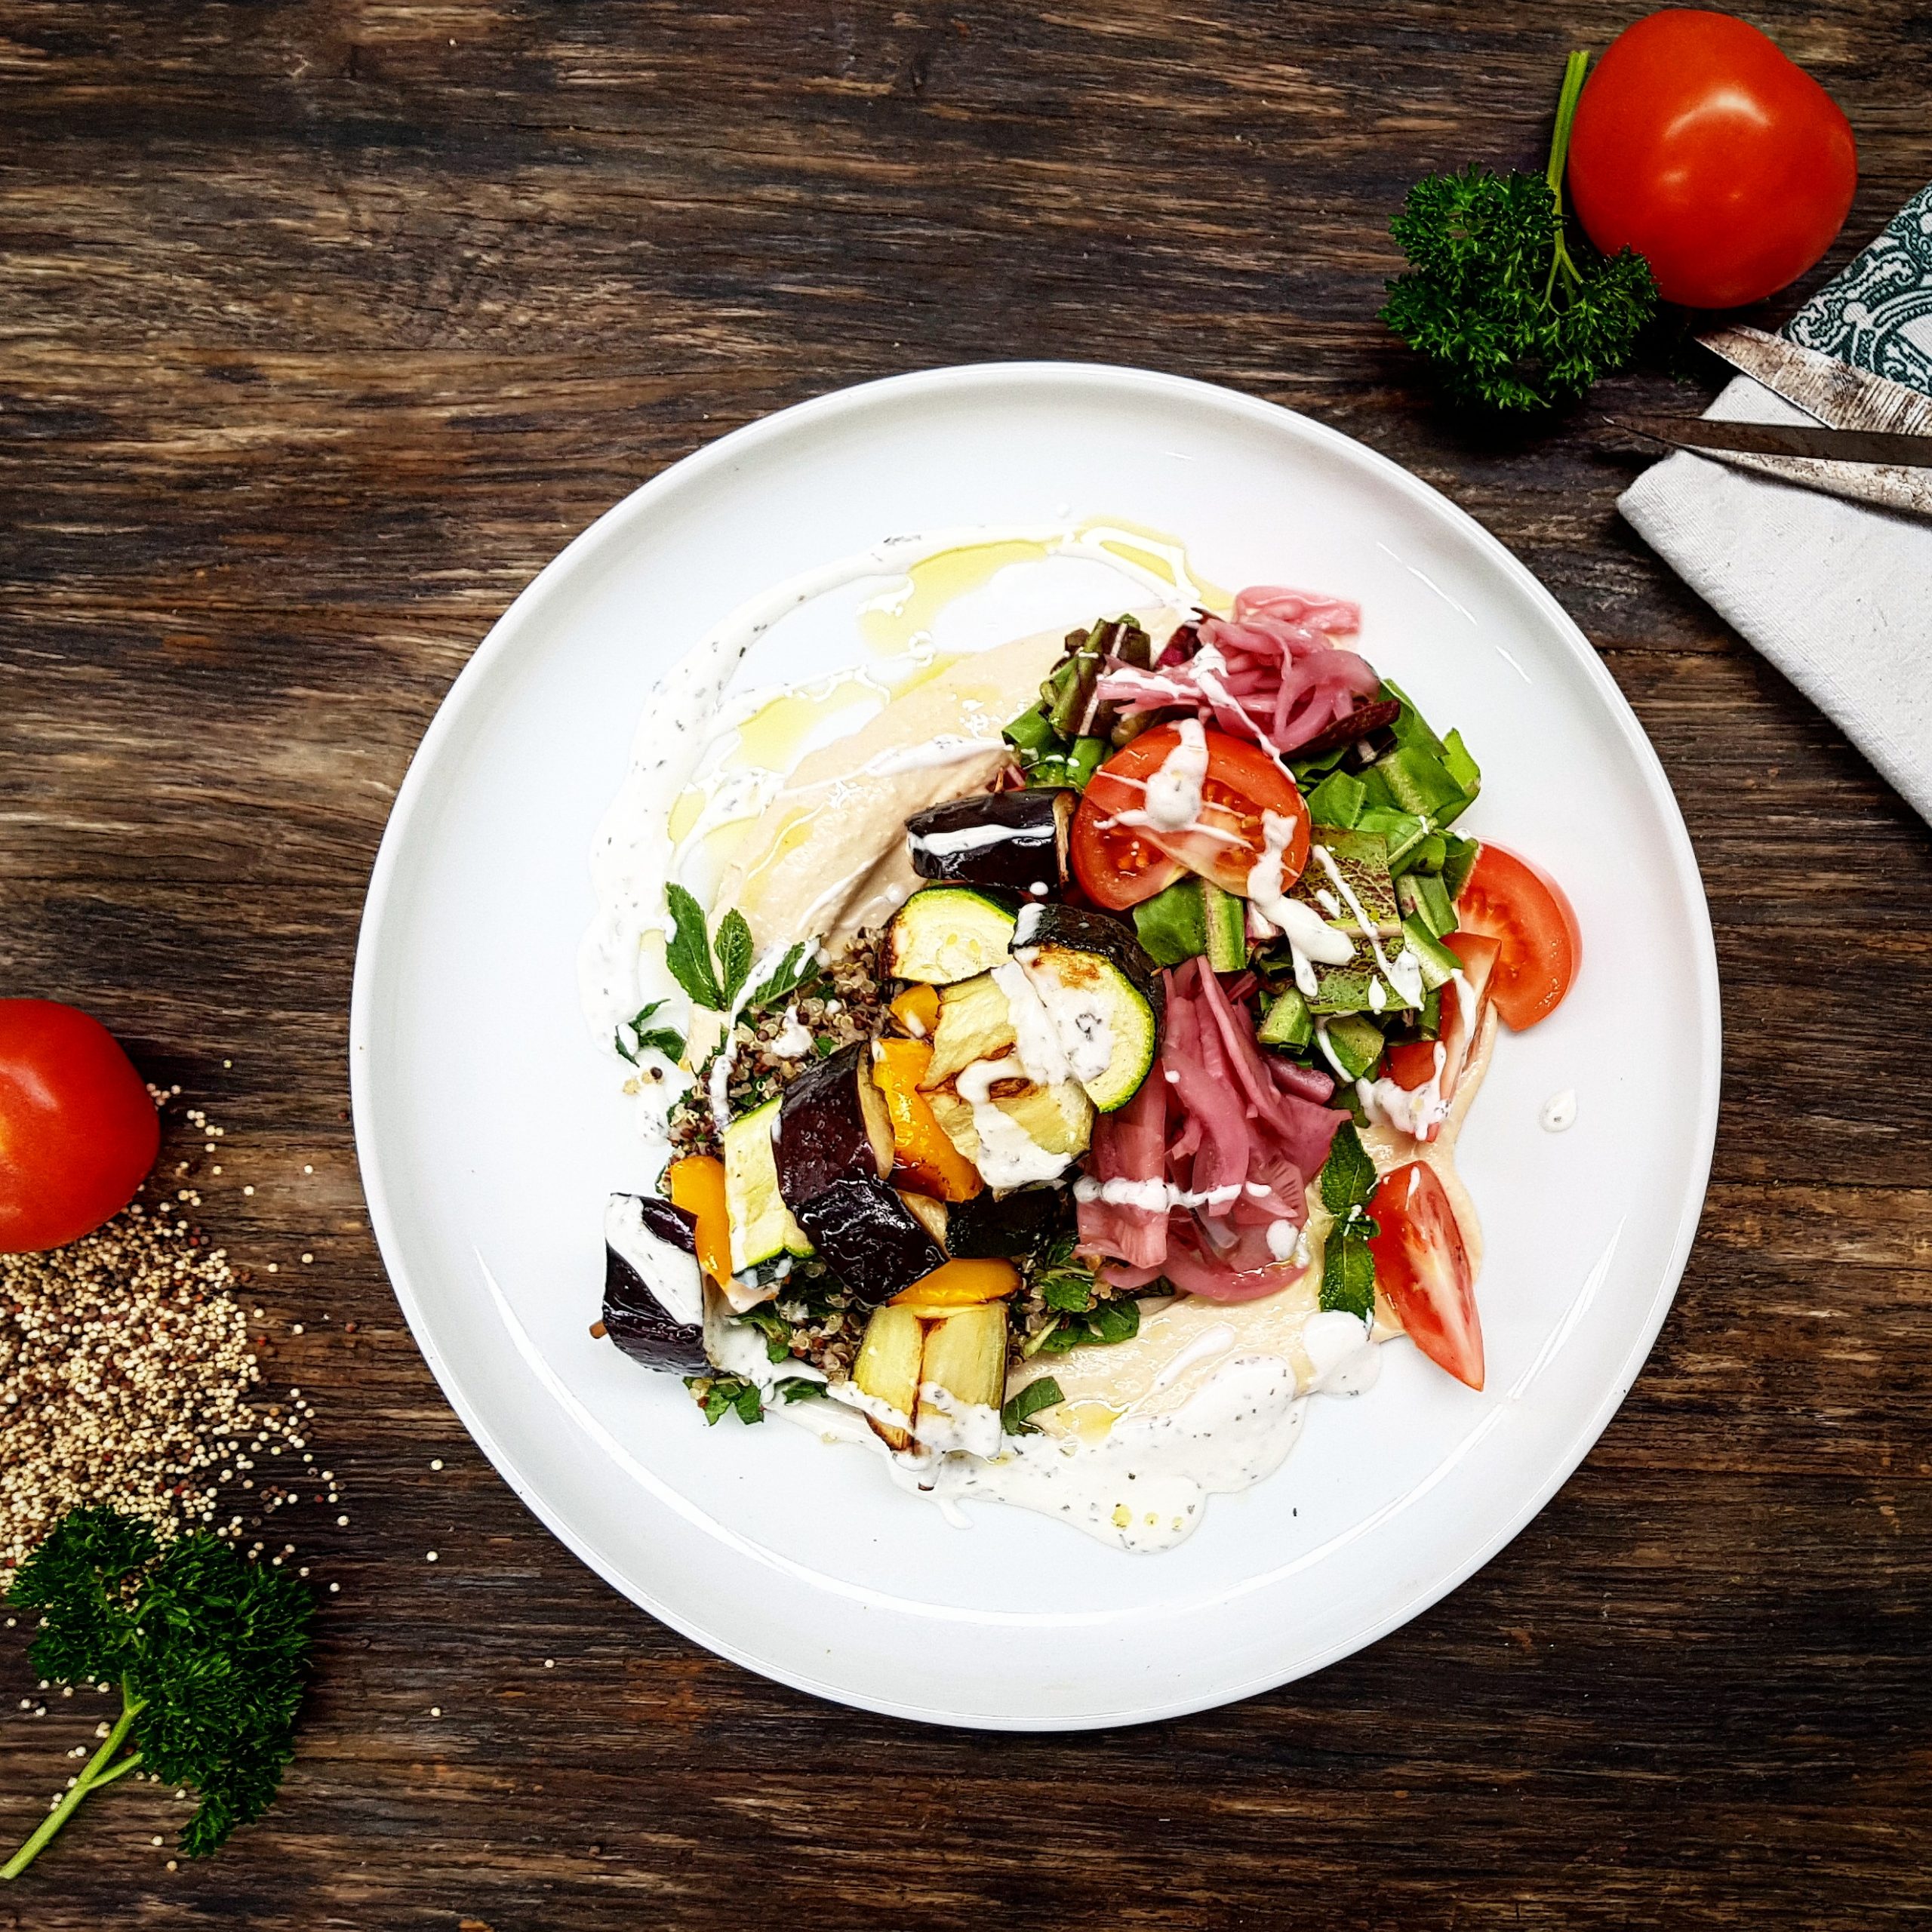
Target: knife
1791,439
1886,461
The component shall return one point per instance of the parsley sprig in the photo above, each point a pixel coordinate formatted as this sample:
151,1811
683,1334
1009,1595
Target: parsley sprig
1347,1182
1495,297
208,1650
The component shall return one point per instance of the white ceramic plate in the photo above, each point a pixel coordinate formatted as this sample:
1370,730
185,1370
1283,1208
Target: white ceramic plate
490,1130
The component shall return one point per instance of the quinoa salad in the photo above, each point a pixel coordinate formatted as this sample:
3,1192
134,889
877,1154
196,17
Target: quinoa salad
1058,1082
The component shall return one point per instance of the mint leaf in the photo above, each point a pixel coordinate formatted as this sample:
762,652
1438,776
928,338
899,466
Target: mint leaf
1348,1275
796,969
649,1039
800,1388
1348,1175
688,952
1044,1394
720,1395
1105,1321
735,950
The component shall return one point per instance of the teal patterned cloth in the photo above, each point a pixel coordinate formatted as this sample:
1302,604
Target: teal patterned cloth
1877,314
1834,594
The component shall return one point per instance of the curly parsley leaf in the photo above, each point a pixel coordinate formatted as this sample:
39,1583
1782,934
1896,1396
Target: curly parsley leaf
1014,1419
735,950
210,1652
643,1038
687,952
1494,296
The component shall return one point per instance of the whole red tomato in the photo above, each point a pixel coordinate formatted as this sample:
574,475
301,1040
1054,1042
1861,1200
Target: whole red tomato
78,1131
1726,166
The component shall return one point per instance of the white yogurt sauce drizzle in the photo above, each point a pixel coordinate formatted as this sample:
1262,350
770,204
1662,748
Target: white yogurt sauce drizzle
1559,1111
1404,972
1173,786
1310,937
1009,1155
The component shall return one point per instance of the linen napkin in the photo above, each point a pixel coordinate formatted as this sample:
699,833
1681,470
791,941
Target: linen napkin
1838,595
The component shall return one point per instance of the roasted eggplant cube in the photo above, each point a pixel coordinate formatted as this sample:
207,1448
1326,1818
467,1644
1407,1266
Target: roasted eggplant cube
832,1126
1014,839
998,1227
869,1238
653,1298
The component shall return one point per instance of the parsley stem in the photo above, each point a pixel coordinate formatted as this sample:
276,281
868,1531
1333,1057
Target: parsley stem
90,1780
1574,69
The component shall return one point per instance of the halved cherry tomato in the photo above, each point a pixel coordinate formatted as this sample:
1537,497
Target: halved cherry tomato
1521,907
78,1130
1423,1268
1119,865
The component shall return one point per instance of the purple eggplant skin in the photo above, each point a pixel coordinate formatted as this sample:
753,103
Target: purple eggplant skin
869,1238
653,1296
1000,1227
1014,839
634,1319
832,1126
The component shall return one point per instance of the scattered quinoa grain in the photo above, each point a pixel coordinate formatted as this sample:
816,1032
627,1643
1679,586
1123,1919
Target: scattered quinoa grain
124,1369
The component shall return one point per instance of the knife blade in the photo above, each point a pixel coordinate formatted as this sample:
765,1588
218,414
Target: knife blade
1841,396
1785,439
1836,393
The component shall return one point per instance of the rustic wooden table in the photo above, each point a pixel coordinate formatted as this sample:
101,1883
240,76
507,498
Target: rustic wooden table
324,326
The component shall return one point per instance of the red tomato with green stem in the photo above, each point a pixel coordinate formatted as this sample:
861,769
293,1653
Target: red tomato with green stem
1119,865
1527,912
1423,1268
1727,166
78,1130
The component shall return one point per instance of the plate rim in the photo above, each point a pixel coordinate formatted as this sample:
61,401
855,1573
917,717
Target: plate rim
415,793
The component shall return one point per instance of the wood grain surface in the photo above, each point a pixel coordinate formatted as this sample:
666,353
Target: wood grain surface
322,326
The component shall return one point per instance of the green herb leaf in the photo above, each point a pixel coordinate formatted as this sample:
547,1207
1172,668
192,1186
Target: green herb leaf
1348,1175
776,1329
1494,297
688,952
646,1038
720,1395
1043,1394
209,1650
1063,1283
1348,1275
735,950
1106,1321
798,967
800,1388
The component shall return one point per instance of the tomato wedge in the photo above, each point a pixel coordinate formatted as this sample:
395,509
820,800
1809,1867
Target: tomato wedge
1411,1064
1422,1266
1524,910
1118,866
